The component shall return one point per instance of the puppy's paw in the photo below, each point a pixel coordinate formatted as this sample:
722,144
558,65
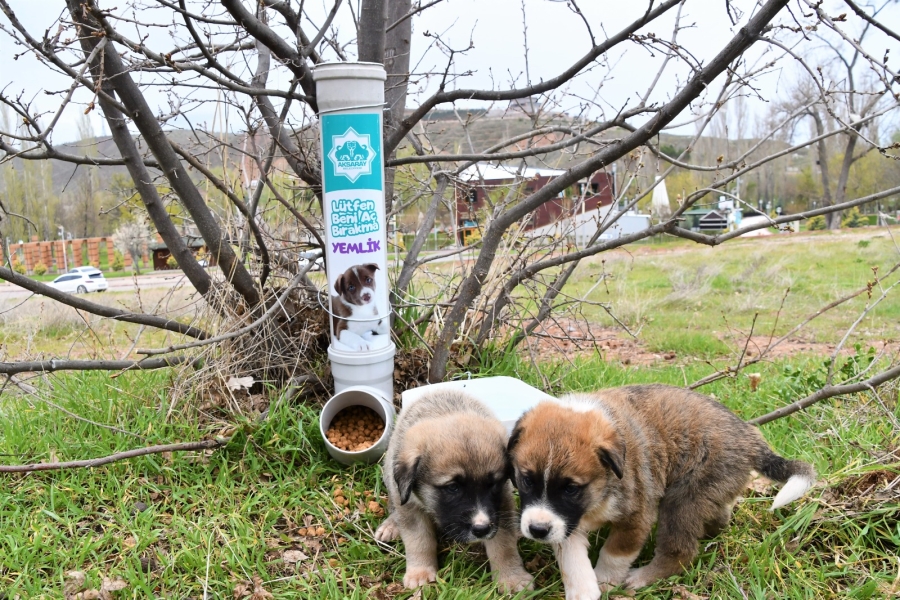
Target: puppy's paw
612,570
583,594
387,531
609,579
515,580
581,588
418,576
638,578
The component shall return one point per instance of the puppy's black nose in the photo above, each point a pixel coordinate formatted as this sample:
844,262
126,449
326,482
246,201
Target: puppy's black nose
480,530
539,530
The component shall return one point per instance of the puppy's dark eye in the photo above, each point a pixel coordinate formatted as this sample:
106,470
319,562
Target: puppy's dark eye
368,280
572,489
452,488
352,288
526,482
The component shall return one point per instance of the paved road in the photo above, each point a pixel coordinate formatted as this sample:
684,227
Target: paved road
116,284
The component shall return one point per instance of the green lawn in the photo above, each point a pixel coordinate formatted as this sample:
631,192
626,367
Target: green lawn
182,525
174,526
700,301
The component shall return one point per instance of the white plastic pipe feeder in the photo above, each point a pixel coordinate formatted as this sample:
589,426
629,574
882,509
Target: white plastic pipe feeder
351,104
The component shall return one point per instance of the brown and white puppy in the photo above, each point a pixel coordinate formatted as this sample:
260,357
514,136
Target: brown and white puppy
630,457
355,303
446,472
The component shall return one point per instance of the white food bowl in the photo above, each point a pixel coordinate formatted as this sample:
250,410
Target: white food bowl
359,395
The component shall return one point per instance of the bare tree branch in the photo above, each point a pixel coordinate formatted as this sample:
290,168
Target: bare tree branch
53,365
829,391
99,462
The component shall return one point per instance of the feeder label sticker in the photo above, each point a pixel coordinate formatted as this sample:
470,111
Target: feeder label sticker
355,232
353,217
351,145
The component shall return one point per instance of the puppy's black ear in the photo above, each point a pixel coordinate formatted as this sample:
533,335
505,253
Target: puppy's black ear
510,445
405,476
339,284
371,266
613,456
514,438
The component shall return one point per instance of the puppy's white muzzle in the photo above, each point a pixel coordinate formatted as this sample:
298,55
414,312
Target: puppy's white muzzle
542,524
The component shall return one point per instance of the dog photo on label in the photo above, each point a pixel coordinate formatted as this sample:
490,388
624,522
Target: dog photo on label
447,474
355,313
632,457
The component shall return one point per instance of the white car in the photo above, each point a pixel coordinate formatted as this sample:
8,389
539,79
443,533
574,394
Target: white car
74,283
313,255
94,274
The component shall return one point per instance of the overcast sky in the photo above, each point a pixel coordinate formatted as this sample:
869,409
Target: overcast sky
556,37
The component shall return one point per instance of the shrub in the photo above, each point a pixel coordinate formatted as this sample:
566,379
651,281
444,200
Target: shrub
171,262
816,223
19,268
853,218
118,262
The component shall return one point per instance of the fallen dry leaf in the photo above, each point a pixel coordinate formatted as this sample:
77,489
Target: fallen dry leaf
239,383
259,593
240,590
74,583
681,593
111,585
294,556
394,588
760,485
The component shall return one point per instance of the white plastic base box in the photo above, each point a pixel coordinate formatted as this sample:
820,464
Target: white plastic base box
507,397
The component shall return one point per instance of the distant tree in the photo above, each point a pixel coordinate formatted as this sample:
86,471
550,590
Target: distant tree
816,223
131,237
118,262
853,218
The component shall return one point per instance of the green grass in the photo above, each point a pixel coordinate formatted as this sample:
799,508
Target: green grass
160,522
235,512
700,301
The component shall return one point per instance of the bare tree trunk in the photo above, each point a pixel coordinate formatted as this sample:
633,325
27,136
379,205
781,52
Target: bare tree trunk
841,192
370,41
833,220
396,63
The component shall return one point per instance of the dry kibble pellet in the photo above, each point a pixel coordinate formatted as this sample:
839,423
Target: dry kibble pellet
355,428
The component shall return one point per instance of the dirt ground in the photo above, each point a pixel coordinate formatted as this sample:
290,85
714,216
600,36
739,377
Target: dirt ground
570,337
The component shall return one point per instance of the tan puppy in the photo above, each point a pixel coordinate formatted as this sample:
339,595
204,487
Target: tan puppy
631,456
446,471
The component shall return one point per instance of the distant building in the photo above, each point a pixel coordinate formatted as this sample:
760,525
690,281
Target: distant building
160,252
568,212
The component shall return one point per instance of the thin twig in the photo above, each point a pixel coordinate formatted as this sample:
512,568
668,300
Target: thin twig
279,303
829,391
105,460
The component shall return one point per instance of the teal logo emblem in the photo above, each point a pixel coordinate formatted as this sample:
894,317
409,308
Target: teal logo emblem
351,154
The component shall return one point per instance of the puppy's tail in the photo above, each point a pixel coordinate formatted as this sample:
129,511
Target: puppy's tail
796,475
